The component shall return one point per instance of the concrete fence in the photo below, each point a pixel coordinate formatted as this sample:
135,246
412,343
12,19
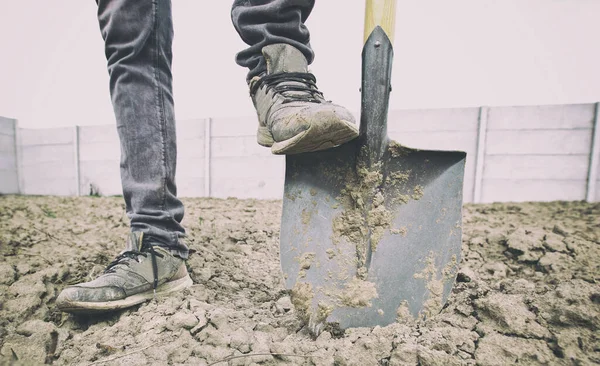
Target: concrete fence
539,153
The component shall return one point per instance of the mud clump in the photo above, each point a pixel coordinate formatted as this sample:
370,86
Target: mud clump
302,297
365,216
526,292
418,192
396,150
305,262
358,293
434,285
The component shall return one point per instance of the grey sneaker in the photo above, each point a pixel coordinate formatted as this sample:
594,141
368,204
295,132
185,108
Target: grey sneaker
293,116
139,273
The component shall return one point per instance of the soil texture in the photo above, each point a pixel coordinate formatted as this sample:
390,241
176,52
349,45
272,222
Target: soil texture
527,292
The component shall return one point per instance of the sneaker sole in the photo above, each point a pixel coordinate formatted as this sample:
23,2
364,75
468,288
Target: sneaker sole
76,307
313,139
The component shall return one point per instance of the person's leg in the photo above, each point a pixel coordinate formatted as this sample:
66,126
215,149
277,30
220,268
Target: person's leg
138,37
293,115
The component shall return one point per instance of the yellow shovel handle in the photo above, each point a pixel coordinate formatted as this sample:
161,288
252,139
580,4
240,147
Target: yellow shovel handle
380,13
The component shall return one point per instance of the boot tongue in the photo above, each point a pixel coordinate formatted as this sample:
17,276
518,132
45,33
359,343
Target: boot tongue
282,57
134,242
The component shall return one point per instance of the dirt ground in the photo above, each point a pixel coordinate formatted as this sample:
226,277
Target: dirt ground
527,292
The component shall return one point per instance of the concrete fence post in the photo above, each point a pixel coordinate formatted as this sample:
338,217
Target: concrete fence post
207,156
594,158
480,156
17,147
76,160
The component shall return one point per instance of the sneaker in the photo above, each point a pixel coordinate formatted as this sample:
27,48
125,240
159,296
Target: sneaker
292,113
141,272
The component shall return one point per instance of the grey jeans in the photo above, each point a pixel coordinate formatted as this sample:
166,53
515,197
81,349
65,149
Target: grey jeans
138,35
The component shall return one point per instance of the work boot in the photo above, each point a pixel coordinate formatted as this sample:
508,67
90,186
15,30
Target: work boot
139,273
293,116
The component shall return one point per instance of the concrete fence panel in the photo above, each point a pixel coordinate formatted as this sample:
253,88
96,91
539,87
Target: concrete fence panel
48,161
99,155
9,174
239,166
191,155
539,153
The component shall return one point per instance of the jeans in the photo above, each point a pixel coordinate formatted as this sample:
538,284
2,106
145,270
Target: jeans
263,22
138,35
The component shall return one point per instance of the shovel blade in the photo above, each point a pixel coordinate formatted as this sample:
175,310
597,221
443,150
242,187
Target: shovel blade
353,263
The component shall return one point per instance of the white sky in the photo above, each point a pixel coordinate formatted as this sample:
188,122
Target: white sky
447,54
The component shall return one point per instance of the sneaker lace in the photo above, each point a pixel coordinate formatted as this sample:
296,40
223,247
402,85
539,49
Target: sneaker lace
303,86
124,259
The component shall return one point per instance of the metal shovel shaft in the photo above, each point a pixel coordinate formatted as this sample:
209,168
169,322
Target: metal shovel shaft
377,58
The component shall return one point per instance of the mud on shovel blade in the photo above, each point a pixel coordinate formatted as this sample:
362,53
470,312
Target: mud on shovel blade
371,230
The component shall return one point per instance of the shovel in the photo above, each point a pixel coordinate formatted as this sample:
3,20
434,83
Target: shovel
371,230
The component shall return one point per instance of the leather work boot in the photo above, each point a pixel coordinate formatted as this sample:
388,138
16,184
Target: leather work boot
293,116
139,273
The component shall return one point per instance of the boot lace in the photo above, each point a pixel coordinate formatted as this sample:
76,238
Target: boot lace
126,257
304,82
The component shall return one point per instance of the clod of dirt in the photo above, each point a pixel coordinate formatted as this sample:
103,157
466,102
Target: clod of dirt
306,260
358,293
302,296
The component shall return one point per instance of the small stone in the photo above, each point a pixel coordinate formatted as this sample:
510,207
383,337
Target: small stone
284,305
465,274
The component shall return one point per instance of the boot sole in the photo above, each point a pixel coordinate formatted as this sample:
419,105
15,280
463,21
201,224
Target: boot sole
322,137
76,307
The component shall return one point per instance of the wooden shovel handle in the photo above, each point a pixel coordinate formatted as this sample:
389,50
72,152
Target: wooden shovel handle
380,13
